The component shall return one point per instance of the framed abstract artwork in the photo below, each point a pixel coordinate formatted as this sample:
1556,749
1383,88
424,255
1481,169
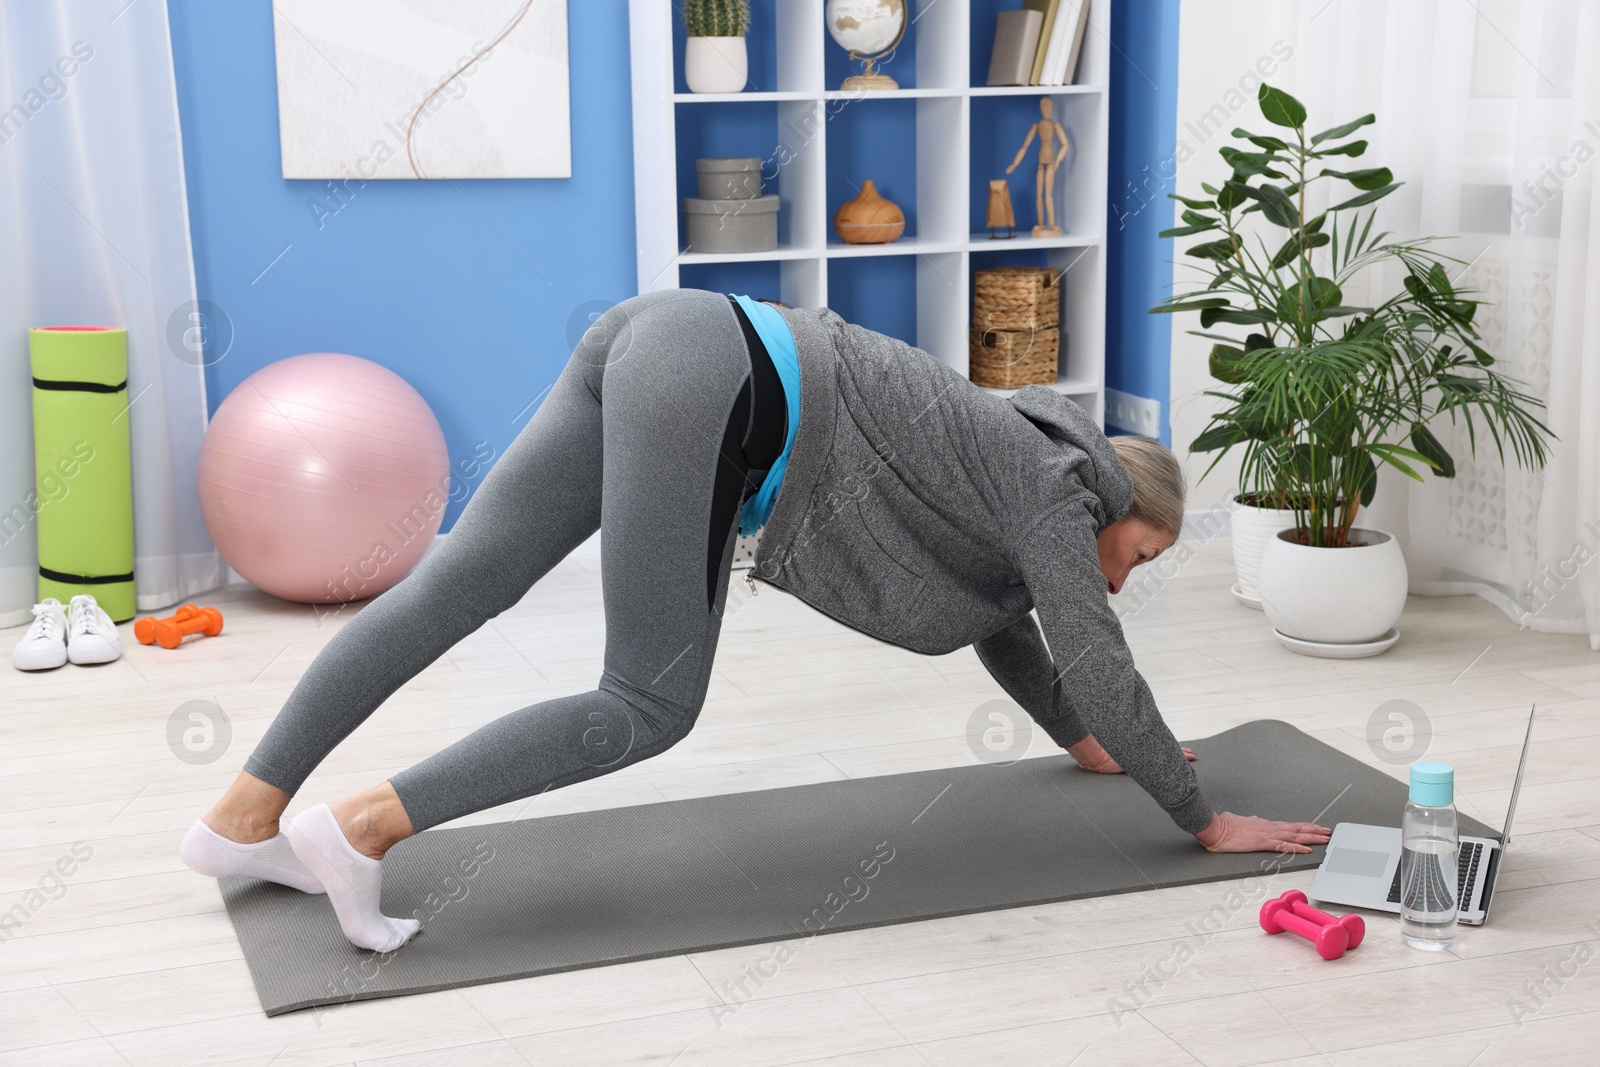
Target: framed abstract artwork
373,89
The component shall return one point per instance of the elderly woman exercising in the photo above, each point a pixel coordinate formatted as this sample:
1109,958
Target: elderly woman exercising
895,496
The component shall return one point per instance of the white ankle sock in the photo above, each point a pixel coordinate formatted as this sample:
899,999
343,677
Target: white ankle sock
206,851
354,882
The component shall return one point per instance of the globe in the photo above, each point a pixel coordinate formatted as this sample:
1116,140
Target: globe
867,28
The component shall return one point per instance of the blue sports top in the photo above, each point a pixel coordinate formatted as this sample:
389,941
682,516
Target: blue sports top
779,339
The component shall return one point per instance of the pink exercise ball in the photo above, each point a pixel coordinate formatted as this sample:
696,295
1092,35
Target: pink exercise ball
323,478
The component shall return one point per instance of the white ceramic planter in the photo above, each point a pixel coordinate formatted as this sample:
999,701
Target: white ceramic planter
1250,527
1341,596
715,64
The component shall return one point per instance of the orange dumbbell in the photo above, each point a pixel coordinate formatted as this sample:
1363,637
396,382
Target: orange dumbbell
145,628
171,632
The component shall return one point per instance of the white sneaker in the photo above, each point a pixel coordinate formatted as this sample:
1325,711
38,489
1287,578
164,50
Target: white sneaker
91,635
45,644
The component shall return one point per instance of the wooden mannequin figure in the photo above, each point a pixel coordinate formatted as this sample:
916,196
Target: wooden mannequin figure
1047,129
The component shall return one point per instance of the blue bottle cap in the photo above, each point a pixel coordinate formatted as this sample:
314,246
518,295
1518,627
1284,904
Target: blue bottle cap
1432,783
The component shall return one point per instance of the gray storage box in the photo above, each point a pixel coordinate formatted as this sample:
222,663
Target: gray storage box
732,225
730,178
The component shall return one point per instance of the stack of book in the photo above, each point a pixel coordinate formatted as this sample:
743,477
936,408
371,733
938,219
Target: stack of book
1039,44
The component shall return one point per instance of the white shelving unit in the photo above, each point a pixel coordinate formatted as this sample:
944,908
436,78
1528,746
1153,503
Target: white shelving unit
945,248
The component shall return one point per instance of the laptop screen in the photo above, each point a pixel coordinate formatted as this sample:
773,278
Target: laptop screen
1516,787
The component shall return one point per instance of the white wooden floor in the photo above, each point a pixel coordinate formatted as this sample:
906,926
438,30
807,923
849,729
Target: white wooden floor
131,958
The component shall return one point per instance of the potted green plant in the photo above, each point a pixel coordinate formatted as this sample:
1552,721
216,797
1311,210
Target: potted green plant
1319,391
715,59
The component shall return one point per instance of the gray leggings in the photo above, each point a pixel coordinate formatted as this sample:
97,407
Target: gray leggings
630,438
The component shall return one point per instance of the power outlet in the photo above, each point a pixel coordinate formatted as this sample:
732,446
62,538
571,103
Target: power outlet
1135,414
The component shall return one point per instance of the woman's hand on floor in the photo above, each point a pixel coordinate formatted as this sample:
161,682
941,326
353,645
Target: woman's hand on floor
1247,833
1091,757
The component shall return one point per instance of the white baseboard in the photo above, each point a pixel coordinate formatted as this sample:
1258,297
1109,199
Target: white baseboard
589,549
1206,524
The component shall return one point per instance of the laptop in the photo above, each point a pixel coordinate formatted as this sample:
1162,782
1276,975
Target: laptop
1361,868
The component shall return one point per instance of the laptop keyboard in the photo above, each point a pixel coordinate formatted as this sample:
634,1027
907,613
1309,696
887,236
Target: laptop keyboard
1466,873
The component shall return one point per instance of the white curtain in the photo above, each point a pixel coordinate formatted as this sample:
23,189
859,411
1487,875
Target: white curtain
1489,112
96,231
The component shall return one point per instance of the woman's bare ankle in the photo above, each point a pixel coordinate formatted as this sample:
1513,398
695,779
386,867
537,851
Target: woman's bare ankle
240,827
374,821
248,812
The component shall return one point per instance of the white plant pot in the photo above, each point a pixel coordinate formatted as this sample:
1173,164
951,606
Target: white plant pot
1340,596
715,64
1250,528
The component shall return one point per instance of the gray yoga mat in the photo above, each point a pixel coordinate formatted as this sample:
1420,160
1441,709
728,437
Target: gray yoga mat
542,895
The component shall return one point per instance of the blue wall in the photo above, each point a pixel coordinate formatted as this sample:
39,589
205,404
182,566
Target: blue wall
1144,122
474,292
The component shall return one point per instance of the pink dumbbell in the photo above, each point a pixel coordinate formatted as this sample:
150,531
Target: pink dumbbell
1278,915
1353,924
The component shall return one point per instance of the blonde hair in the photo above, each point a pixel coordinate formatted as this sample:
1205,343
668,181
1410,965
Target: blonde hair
1158,483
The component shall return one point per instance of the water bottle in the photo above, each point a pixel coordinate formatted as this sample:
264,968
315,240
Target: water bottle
1429,848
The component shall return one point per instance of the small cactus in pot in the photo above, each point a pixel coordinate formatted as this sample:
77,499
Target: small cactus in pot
715,59
716,18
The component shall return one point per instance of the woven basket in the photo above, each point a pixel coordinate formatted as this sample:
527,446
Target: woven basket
1010,359
1015,298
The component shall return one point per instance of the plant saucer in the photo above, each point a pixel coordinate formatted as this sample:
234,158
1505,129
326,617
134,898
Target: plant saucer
1337,649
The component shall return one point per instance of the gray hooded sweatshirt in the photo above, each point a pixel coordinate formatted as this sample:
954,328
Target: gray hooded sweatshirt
930,514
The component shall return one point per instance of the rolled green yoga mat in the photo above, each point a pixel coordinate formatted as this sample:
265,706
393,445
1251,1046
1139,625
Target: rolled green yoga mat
82,465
